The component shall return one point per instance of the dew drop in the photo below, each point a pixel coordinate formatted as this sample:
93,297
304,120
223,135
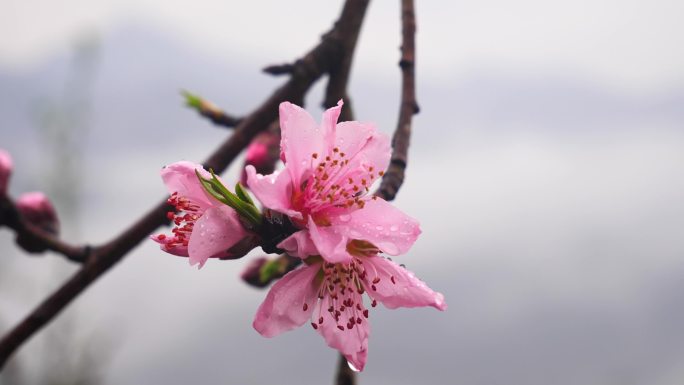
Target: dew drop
394,228
352,367
345,218
378,228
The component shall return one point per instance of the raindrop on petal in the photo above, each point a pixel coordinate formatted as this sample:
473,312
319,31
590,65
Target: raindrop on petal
352,367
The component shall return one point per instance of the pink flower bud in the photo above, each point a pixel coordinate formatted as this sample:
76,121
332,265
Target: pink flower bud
252,273
262,153
5,170
37,210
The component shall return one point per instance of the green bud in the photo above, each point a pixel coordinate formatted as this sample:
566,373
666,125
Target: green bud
192,100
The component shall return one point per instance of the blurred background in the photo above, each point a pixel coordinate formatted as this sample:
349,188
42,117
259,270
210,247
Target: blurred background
546,168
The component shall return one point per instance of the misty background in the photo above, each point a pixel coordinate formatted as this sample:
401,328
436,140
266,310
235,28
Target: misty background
545,167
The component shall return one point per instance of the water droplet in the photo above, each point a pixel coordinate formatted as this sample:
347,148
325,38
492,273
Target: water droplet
352,367
345,218
378,228
394,228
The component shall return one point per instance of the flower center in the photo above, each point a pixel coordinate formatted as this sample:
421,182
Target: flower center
183,218
334,183
343,286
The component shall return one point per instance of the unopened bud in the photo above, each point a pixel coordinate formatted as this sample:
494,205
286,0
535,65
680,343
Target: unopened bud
262,153
262,271
251,274
37,210
6,166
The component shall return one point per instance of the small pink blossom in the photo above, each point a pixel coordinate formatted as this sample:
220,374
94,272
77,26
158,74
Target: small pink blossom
6,166
37,209
262,153
329,169
204,228
331,297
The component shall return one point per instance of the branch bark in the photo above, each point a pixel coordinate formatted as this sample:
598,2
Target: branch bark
305,72
394,176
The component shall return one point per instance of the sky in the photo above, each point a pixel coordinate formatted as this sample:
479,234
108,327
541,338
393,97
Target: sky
545,169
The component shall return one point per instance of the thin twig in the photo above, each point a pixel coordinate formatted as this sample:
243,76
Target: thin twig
338,79
394,176
307,70
210,111
344,376
279,69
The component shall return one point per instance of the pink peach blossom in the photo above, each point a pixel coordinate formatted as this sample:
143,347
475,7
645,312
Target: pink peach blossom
330,296
204,228
6,166
329,169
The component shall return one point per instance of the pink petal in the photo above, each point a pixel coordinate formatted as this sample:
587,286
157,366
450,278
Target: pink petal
273,191
300,139
180,177
284,307
378,222
398,287
331,243
363,145
299,245
352,343
328,127
216,231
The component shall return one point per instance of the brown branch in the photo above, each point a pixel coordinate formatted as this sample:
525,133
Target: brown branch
279,69
338,79
32,238
344,376
307,70
394,176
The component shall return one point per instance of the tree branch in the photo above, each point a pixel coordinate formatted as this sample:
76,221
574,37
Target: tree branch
306,71
394,176
210,111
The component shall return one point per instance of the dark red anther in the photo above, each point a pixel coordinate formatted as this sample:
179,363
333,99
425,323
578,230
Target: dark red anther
305,307
374,303
365,313
392,279
340,327
320,320
358,320
349,325
314,325
374,288
170,215
376,280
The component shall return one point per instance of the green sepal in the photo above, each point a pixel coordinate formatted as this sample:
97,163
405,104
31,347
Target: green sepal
247,211
242,194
